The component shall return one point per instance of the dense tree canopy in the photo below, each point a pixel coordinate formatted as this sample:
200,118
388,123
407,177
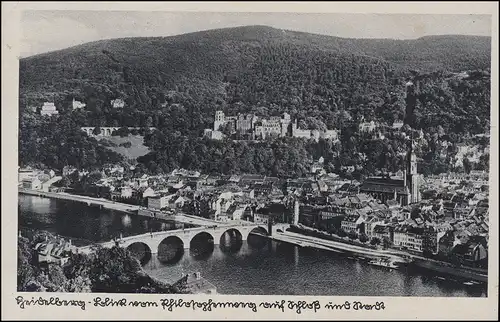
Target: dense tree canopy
176,84
112,270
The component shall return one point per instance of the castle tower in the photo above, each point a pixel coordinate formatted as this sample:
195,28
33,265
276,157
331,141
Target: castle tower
285,122
220,119
294,127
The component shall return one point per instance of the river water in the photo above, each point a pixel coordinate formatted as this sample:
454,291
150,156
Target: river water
254,267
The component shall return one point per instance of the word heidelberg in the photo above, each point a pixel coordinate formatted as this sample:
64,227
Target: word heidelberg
170,304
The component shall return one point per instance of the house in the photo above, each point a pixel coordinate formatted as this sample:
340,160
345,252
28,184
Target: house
24,173
126,192
68,170
193,284
367,126
32,183
178,202
370,225
117,103
382,232
77,104
142,181
158,202
54,251
409,238
240,212
260,218
397,125
48,109
317,168
350,223
47,184
149,192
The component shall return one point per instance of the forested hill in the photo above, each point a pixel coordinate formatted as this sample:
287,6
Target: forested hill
146,68
177,83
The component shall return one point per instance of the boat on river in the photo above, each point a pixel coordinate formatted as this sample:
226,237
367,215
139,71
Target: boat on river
382,262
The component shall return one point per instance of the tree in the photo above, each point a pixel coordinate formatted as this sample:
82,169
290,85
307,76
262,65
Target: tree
363,238
386,242
375,241
97,130
352,235
227,129
341,233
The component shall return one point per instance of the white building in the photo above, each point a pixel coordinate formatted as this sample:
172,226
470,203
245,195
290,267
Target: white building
126,192
213,135
25,173
158,202
149,192
48,109
118,103
77,104
405,238
32,183
367,126
397,125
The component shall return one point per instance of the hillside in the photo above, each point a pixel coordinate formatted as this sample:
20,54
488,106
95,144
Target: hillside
177,83
119,145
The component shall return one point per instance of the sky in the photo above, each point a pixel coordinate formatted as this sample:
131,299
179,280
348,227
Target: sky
44,31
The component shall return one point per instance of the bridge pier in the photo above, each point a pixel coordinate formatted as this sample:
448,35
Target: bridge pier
152,240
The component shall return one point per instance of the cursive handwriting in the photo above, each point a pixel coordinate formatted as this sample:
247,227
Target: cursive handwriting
53,301
170,304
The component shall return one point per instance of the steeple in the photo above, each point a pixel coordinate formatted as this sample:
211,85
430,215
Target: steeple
412,175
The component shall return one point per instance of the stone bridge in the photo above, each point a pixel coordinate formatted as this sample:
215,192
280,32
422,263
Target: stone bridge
185,236
107,130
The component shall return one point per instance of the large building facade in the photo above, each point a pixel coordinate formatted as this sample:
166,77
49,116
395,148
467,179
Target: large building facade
262,128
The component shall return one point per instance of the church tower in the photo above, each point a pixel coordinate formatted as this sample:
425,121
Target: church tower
412,180
412,176
296,212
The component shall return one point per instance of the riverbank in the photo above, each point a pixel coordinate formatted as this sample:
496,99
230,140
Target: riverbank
125,208
394,255
90,201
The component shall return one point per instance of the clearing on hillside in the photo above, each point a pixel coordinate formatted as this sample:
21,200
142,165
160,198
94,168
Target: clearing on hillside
136,149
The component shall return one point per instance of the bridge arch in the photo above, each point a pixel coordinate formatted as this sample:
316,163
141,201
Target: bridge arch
256,237
231,240
170,249
202,244
141,251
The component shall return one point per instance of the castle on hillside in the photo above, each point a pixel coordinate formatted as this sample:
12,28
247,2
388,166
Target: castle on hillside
259,128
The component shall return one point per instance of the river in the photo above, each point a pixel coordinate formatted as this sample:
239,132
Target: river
254,267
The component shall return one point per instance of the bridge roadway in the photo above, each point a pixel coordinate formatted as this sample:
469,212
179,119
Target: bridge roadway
154,239
129,209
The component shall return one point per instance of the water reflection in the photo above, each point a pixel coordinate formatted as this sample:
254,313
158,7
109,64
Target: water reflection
82,223
257,266
201,246
231,241
170,250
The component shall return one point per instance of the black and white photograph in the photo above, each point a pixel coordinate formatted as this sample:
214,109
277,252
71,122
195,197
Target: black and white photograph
254,153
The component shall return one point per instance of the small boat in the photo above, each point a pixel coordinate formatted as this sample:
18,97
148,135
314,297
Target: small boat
469,283
349,257
383,263
441,278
